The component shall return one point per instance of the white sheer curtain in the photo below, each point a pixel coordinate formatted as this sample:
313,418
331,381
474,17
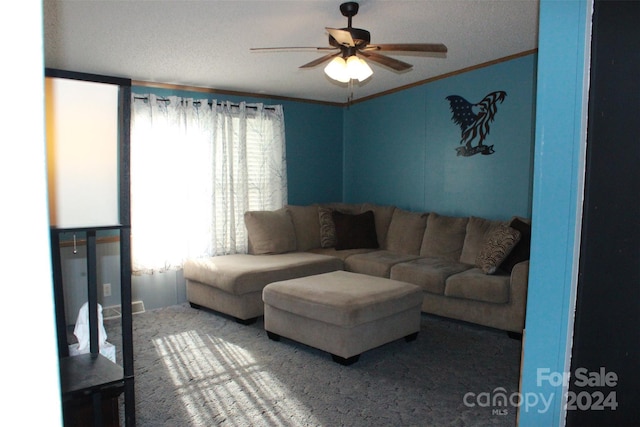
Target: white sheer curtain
196,167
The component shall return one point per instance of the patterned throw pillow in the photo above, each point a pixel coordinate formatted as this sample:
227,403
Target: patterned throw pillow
327,228
497,245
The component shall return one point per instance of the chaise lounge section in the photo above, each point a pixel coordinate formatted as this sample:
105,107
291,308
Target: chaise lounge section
233,284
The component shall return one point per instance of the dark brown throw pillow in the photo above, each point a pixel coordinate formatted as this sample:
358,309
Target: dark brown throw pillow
355,231
522,250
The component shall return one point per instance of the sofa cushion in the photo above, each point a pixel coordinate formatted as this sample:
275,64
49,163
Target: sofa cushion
428,273
444,236
270,232
406,231
377,263
382,215
477,229
306,225
522,250
498,244
327,228
473,284
355,231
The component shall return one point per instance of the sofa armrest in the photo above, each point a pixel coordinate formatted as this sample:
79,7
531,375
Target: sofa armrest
519,284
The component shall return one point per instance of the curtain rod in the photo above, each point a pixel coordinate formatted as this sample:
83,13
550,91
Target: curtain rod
208,103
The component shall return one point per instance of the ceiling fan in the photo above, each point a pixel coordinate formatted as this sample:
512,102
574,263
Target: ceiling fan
352,45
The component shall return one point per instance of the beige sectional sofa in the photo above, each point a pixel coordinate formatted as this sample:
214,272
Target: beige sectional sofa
468,268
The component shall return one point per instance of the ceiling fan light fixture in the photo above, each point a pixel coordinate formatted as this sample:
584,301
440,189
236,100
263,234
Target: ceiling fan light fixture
353,68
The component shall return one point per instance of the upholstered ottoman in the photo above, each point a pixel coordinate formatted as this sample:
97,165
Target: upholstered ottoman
342,313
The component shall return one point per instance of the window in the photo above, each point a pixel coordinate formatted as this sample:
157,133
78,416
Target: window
196,167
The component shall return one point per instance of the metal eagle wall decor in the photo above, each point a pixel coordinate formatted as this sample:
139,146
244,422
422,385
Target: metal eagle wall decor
474,120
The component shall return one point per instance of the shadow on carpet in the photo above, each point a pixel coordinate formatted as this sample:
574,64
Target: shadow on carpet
198,368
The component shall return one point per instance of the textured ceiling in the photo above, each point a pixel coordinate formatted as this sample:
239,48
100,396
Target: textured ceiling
207,43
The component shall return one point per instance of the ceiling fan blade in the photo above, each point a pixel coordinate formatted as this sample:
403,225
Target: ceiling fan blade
385,60
342,36
258,49
320,60
410,47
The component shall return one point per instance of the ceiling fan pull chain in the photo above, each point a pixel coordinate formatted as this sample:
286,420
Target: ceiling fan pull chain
350,93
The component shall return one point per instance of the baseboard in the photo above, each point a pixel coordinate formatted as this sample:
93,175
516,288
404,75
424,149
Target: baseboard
115,311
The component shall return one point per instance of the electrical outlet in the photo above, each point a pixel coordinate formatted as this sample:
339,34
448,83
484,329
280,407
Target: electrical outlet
106,289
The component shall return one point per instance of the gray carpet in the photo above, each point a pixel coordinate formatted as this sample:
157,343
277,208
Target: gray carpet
197,368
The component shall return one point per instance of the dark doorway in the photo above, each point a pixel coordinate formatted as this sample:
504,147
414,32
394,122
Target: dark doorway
604,385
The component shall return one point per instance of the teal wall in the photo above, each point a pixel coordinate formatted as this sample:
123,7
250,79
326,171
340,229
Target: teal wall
400,148
385,150
314,152
314,143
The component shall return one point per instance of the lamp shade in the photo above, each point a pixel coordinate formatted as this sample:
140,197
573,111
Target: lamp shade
337,70
82,152
358,69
